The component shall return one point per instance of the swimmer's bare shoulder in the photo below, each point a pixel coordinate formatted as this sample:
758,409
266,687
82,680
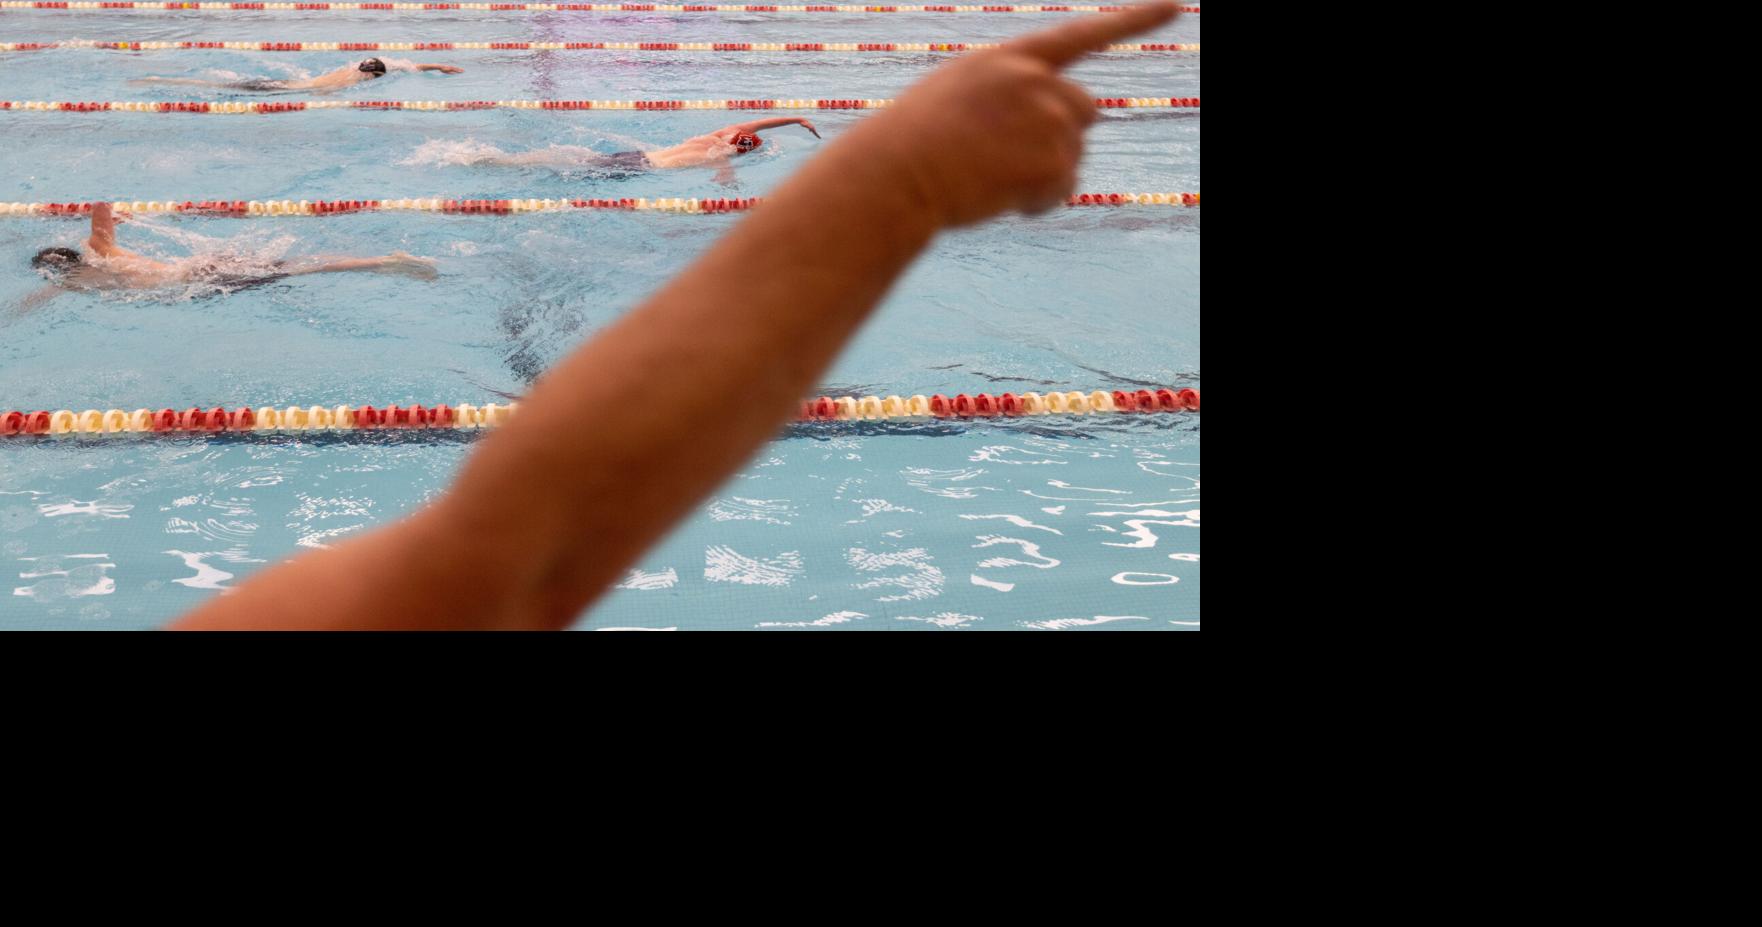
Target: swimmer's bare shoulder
693,152
122,268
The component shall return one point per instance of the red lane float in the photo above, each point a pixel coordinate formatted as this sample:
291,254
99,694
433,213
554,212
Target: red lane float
255,108
818,47
1007,405
466,416
243,208
160,5
264,419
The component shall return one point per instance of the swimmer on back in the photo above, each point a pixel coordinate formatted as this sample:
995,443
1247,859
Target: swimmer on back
108,266
346,76
712,150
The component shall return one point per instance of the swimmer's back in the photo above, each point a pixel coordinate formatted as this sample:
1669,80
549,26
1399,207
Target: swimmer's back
261,86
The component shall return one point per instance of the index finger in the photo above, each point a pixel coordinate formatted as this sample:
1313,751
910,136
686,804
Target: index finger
1064,44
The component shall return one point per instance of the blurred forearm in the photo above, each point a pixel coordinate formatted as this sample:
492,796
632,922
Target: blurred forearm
601,444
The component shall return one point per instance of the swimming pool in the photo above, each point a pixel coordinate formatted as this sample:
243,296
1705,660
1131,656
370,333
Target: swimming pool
1068,523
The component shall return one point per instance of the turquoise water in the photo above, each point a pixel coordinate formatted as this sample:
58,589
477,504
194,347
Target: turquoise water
1068,523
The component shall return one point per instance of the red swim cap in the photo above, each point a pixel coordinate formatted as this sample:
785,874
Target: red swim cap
746,141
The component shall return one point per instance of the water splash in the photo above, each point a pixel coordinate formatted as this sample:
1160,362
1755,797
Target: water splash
455,152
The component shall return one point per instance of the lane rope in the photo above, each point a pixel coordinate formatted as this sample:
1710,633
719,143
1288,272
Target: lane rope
466,416
561,46
545,8
300,106
260,208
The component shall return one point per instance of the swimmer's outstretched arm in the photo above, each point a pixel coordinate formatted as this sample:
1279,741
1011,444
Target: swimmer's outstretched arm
398,262
339,266
555,506
443,68
186,81
35,301
759,125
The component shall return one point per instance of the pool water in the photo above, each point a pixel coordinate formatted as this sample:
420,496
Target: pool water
1046,523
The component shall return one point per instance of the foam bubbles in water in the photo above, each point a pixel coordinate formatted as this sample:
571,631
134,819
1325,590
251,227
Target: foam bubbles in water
451,151
251,253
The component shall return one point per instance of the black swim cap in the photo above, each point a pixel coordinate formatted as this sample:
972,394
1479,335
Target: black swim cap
373,66
56,260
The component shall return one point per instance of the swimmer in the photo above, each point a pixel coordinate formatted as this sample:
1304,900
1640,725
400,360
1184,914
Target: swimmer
346,76
712,150
105,265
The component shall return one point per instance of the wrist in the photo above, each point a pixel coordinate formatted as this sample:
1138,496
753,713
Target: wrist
873,172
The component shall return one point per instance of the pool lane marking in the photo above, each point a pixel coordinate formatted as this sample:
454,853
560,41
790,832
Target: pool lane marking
561,46
489,207
466,416
300,106
548,8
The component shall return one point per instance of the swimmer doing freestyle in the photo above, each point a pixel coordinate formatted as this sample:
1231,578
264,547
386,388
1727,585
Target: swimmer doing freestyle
346,76
108,266
714,149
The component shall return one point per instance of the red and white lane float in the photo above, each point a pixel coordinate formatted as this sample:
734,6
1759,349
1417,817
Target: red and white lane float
562,46
467,417
146,5
1006,405
453,106
248,208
